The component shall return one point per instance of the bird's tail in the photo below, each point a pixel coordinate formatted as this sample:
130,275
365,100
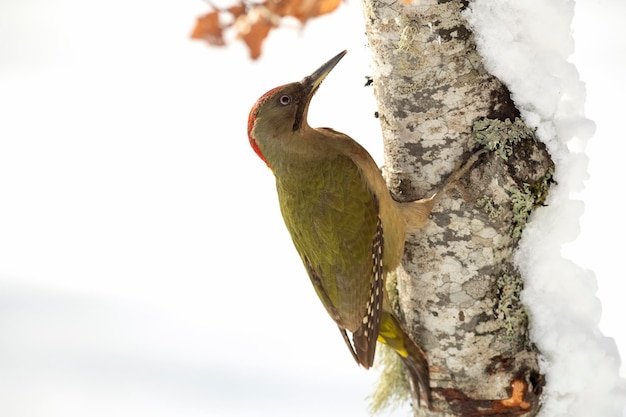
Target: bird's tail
413,357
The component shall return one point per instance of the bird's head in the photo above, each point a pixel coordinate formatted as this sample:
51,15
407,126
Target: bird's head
282,111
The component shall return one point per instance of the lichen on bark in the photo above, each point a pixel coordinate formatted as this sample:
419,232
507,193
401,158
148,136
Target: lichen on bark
458,288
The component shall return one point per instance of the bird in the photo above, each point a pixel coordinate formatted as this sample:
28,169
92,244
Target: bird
345,225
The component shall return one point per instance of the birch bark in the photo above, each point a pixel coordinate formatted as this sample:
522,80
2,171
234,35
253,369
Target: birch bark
458,290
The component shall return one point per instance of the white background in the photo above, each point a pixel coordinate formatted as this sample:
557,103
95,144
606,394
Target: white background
144,266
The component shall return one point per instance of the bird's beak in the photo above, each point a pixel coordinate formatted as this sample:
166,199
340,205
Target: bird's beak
310,84
314,80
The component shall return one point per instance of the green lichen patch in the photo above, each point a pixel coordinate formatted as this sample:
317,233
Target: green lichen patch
408,34
521,173
526,199
523,202
540,188
492,209
392,389
509,289
500,136
509,307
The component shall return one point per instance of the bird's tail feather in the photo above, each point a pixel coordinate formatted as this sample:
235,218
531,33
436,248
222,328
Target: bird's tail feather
413,357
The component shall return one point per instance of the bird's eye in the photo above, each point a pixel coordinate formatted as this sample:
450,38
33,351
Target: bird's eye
285,100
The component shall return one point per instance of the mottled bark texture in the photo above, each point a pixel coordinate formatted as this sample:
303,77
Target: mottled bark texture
459,288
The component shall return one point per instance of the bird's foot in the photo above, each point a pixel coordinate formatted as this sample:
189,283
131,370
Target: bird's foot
452,182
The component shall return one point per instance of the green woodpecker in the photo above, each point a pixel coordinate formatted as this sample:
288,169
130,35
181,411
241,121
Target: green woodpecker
347,229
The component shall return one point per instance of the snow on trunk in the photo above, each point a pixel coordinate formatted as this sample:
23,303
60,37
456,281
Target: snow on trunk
527,45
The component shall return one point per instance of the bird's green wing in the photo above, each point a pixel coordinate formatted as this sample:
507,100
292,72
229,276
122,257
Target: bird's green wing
332,217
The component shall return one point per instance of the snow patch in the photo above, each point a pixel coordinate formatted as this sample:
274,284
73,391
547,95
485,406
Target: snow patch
527,45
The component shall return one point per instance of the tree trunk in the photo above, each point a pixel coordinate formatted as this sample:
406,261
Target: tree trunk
458,290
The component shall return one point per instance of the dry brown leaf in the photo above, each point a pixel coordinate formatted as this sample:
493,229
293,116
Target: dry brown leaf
281,7
253,23
327,6
303,9
255,36
208,28
314,8
237,10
